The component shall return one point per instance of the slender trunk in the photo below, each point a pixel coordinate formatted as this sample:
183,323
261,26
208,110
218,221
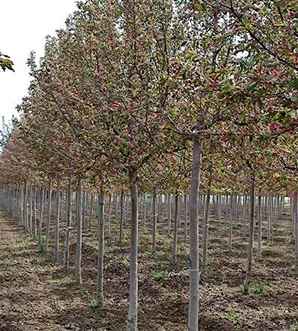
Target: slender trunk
121,217
101,247
109,218
30,209
269,223
34,206
91,210
251,225
133,265
41,211
144,209
48,216
125,209
25,206
185,217
23,187
68,225
251,235
83,211
36,192
295,219
260,226
175,239
79,233
194,236
233,205
57,228
206,217
169,213
218,206
154,216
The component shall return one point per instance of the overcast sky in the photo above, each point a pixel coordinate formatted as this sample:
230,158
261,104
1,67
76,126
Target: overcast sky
23,27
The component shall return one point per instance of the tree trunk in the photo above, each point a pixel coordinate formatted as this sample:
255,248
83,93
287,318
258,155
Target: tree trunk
154,216
295,219
144,209
206,217
185,217
270,214
48,216
169,213
22,202
79,233
175,239
41,211
251,235
84,201
91,212
133,265
68,225
121,217
57,228
30,209
233,206
109,218
260,226
34,207
101,247
194,236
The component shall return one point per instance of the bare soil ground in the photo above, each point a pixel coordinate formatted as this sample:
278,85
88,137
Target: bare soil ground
35,294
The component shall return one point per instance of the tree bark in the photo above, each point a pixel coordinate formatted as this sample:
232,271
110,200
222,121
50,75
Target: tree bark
101,250
169,213
57,228
251,225
251,235
30,228
260,226
68,225
109,218
48,216
34,207
121,217
79,233
270,214
295,219
233,206
194,236
133,265
185,217
205,228
154,216
41,212
175,239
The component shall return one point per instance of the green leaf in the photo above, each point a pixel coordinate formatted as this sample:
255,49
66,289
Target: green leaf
226,87
252,87
294,83
6,63
200,7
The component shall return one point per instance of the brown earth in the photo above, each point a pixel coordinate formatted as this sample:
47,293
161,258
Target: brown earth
35,294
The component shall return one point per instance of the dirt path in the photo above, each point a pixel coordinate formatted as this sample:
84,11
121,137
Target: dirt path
33,295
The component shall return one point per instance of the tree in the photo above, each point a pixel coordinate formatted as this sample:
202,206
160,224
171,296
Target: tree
5,62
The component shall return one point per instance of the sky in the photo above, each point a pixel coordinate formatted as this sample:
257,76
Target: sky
23,28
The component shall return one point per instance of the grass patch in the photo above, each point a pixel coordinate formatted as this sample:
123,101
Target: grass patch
160,276
257,288
233,316
42,245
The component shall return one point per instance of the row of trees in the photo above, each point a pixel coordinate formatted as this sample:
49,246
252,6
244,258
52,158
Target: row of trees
155,95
